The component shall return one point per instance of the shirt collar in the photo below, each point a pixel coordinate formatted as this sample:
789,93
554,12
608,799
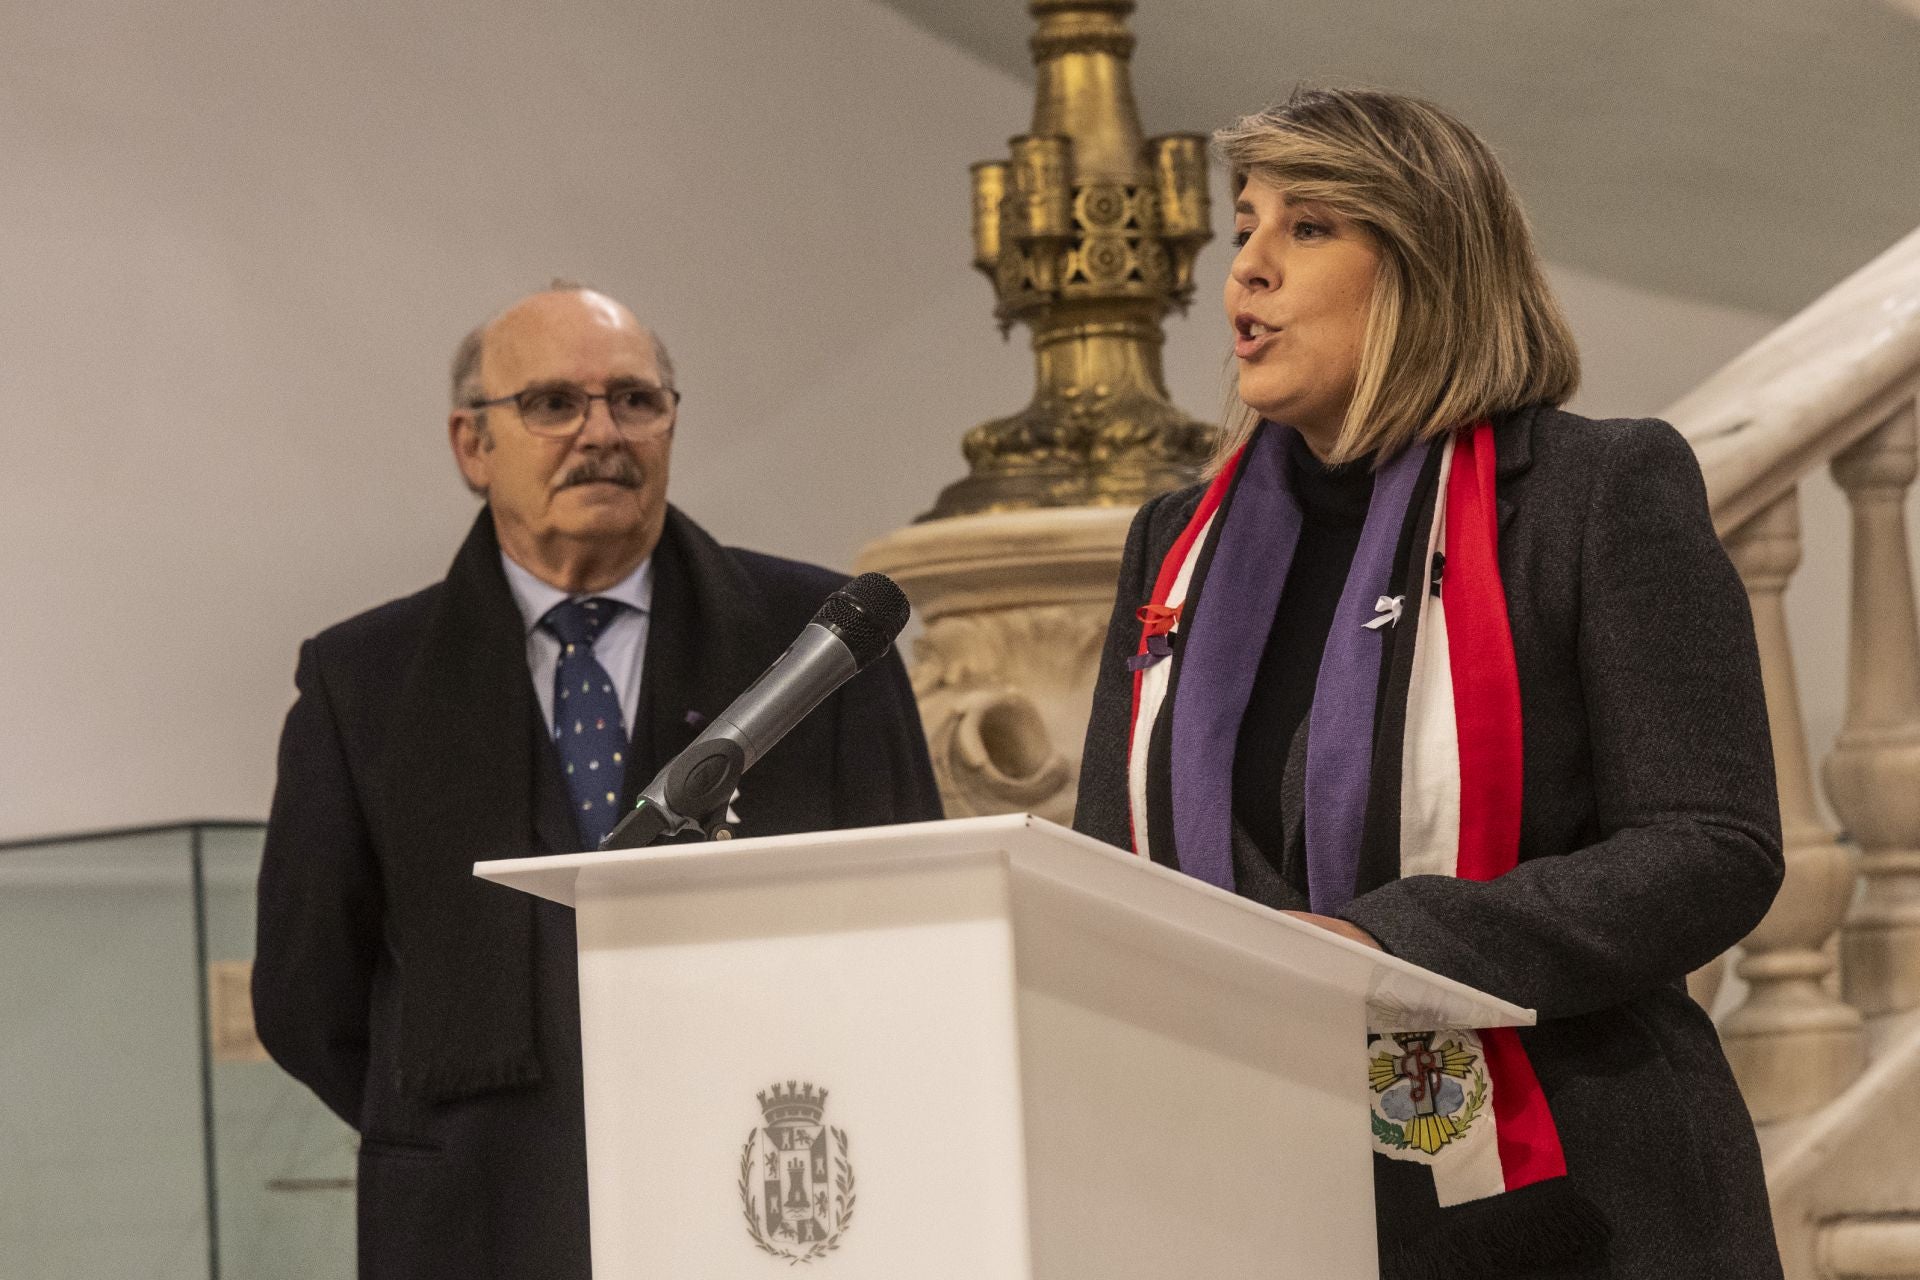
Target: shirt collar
535,597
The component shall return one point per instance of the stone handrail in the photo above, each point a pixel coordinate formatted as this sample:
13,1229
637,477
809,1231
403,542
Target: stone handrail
1836,385
1808,389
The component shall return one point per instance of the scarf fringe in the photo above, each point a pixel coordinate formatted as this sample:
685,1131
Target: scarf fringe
1526,1230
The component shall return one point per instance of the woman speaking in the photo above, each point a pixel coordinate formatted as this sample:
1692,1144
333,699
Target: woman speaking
1456,674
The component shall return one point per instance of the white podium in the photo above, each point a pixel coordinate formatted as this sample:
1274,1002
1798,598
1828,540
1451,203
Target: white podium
989,1049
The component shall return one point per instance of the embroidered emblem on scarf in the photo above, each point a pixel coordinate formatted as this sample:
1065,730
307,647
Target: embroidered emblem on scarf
1429,1087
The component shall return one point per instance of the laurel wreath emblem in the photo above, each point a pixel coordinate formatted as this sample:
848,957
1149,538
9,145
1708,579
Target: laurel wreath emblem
843,1202
1395,1135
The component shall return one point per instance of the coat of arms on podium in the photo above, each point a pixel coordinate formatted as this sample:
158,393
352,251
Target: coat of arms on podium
796,1181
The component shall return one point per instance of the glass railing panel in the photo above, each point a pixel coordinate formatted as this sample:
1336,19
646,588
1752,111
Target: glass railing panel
101,1138
283,1163
136,1108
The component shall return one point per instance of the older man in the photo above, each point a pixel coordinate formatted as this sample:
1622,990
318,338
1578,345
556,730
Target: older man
585,631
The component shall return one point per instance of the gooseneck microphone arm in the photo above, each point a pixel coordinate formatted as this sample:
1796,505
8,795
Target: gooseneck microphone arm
857,624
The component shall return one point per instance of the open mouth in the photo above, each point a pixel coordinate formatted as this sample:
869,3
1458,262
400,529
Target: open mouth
1249,335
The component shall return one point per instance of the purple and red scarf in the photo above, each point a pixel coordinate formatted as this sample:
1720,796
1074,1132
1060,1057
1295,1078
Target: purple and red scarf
1465,1105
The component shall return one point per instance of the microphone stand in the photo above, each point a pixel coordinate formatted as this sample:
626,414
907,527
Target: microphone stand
697,782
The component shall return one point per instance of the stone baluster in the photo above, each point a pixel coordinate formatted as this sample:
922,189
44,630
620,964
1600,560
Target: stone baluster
1792,1044
1873,775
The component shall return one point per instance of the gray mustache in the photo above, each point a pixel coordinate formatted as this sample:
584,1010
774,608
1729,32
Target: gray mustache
620,471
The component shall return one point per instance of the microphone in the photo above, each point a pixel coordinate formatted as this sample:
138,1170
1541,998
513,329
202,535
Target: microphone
856,625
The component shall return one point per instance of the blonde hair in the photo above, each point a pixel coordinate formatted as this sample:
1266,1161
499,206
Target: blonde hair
1461,324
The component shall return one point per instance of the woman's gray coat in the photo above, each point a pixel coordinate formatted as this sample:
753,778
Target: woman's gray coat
1650,835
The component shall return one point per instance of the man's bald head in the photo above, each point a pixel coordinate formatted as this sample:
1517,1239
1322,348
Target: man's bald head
579,501
469,355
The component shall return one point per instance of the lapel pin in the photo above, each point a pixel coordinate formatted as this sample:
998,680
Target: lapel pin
1157,622
1388,608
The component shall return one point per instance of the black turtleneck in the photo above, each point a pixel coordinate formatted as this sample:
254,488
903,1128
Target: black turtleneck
1333,508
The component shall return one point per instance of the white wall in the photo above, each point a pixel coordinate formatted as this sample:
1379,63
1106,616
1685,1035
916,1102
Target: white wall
241,241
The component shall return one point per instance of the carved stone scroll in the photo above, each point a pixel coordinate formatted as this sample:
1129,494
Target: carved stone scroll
1014,606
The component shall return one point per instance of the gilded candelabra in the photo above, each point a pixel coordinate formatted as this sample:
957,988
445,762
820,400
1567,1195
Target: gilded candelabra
1089,234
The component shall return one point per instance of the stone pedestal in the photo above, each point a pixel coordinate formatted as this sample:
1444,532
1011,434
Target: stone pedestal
1014,606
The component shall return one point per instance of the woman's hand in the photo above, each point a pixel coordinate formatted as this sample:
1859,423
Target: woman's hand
1351,932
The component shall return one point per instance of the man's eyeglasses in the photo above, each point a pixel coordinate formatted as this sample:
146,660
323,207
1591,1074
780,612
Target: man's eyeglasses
639,409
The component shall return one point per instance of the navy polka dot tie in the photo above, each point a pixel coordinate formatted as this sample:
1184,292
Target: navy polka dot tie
586,717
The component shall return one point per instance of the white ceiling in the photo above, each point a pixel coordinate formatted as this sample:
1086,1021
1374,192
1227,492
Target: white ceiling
1748,152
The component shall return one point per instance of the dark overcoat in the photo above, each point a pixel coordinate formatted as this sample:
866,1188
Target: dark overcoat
436,1013
1649,837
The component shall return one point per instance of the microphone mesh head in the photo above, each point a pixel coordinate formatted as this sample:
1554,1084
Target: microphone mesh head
867,613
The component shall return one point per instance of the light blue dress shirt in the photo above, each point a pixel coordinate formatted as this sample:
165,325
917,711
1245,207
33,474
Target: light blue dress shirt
621,648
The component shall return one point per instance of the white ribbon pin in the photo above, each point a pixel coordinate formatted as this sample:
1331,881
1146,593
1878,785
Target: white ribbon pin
1389,607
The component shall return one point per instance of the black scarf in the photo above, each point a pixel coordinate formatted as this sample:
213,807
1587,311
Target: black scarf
469,775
